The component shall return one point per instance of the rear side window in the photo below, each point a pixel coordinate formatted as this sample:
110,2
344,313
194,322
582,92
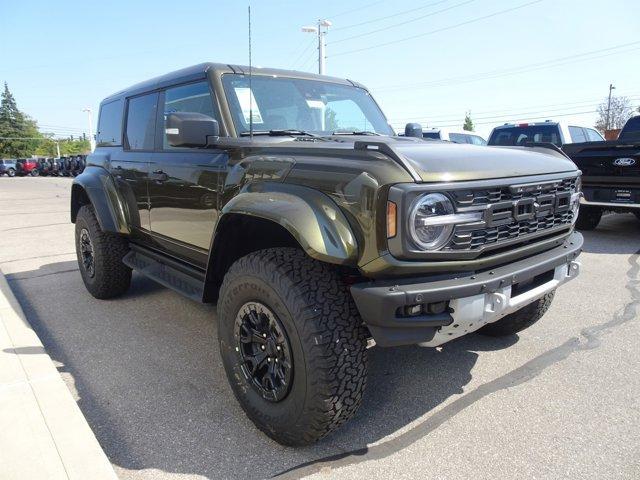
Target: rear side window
519,135
459,138
577,134
194,97
476,140
593,136
141,122
109,132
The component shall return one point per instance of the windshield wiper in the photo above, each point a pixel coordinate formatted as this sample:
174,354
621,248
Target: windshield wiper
281,133
357,132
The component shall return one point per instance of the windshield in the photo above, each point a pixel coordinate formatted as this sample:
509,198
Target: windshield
292,104
519,135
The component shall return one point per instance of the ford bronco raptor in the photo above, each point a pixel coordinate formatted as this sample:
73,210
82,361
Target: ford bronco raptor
287,199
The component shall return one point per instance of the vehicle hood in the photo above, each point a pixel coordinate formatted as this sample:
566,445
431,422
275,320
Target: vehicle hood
450,162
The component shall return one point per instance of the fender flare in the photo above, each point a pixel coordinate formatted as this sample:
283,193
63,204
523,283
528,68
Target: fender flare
310,216
100,188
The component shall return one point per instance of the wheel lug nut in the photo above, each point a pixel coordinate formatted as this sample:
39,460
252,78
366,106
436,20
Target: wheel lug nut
278,348
264,335
263,347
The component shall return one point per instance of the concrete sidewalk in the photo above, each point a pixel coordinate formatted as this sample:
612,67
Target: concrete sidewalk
43,434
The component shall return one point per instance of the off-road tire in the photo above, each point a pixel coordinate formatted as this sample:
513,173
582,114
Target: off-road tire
111,277
326,337
34,173
519,320
588,218
11,172
637,214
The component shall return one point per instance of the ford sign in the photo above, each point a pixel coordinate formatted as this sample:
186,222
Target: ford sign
624,162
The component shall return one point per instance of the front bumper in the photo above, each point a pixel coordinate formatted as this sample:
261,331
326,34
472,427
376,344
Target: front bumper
474,298
623,197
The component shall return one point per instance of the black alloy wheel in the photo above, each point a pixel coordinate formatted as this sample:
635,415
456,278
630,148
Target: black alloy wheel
265,354
86,249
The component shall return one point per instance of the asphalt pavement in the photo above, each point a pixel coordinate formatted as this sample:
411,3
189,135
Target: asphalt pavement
560,400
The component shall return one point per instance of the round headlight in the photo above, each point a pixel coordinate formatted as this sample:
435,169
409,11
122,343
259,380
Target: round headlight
426,233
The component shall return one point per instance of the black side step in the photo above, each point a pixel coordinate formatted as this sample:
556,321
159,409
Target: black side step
171,273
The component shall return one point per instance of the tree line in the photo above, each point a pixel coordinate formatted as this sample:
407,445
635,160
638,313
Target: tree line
21,138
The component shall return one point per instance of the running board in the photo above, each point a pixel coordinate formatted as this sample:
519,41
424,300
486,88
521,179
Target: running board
166,271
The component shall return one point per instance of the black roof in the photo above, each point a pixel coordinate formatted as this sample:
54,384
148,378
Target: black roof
201,71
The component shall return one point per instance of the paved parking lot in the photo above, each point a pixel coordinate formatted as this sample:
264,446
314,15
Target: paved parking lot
560,400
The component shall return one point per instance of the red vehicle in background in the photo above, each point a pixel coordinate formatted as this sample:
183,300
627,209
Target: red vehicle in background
27,167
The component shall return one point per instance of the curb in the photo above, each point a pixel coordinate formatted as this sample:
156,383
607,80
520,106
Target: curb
44,434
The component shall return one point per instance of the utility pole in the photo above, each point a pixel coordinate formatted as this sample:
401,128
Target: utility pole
611,88
321,30
92,140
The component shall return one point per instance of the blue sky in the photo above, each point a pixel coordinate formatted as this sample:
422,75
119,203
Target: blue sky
543,59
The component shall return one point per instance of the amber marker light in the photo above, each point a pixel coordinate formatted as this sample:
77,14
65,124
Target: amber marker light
392,220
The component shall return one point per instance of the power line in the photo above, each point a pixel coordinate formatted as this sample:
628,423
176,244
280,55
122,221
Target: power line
304,50
450,27
402,23
357,9
557,62
507,113
387,17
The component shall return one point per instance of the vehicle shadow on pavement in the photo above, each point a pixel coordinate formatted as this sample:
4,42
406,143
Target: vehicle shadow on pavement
616,234
146,373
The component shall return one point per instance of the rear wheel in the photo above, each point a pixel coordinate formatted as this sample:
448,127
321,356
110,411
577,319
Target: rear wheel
519,320
588,218
11,172
35,172
292,344
100,257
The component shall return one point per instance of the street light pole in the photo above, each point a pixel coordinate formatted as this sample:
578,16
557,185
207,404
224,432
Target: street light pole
92,141
321,30
611,88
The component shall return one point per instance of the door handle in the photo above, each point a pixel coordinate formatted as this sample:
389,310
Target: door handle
159,176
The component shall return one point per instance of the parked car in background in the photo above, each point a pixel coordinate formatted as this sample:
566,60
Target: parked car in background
610,175
8,167
27,167
455,136
558,133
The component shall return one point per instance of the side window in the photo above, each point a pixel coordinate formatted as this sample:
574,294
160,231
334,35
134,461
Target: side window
593,136
476,140
109,132
141,122
195,97
577,134
458,137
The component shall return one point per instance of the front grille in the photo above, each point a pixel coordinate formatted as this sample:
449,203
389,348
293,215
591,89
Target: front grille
512,212
479,197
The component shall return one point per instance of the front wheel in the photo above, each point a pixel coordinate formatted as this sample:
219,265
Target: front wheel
11,172
519,320
292,344
35,173
588,218
100,257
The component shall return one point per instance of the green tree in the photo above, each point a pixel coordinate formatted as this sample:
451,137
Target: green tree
468,123
15,124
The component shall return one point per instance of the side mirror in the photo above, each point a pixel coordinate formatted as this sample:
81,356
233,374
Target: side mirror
413,130
190,129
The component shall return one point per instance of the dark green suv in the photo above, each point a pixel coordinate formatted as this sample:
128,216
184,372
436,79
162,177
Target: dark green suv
286,198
